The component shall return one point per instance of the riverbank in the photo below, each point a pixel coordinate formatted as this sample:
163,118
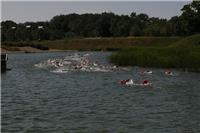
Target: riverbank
93,44
19,49
165,52
184,54
25,49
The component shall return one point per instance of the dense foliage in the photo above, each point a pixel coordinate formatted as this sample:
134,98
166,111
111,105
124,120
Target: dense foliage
104,25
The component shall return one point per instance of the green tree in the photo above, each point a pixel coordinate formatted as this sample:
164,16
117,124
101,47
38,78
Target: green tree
190,18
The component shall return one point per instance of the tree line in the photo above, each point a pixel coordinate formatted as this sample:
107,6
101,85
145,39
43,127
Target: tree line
104,25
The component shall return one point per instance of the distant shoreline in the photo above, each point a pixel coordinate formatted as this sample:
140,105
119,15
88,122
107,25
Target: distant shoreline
31,50
90,44
164,52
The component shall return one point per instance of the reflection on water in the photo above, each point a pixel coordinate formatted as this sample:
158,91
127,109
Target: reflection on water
36,100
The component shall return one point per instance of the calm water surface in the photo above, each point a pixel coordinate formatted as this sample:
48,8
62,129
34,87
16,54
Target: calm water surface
35,100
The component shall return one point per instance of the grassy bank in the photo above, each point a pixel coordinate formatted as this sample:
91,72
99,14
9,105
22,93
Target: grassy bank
108,44
98,44
170,52
15,46
184,53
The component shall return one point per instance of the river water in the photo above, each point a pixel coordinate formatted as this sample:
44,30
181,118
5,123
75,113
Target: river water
39,100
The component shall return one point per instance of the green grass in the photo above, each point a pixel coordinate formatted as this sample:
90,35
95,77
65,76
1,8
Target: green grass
108,44
190,41
184,53
99,44
10,48
14,46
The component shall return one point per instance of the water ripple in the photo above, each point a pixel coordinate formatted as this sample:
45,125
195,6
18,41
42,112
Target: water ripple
34,100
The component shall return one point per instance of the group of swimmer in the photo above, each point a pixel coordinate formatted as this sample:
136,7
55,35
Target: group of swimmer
167,72
85,64
129,82
78,63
